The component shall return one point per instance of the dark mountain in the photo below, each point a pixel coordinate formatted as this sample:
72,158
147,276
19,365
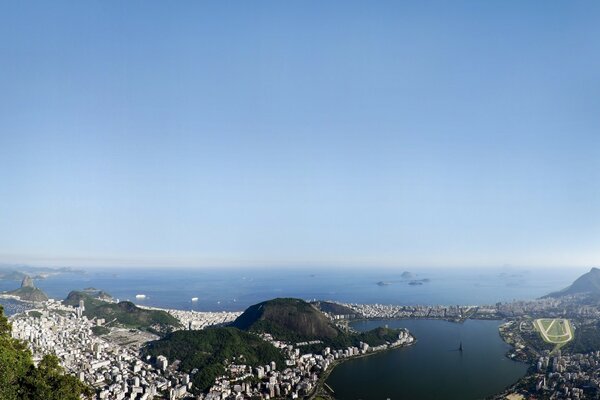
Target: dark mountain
334,308
588,283
294,320
287,319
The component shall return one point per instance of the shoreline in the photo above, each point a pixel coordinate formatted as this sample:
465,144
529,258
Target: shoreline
325,392
321,383
322,391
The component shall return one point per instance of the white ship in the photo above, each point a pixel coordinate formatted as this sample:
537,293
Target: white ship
140,296
194,299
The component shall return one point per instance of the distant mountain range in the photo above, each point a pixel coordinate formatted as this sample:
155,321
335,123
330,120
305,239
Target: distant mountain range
586,284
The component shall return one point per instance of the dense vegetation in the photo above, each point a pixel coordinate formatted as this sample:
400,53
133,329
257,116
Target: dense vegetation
125,313
586,338
287,319
294,320
210,349
29,293
21,380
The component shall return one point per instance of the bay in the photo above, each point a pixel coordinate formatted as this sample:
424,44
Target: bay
230,289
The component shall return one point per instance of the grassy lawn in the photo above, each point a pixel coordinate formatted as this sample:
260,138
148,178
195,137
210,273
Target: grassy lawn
554,330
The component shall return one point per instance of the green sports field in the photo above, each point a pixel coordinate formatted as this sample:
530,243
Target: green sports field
554,330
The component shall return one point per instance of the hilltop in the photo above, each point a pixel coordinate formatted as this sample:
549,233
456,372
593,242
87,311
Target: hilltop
294,320
287,319
28,291
586,284
125,313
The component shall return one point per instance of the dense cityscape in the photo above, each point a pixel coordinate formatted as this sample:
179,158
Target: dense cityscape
113,365
109,356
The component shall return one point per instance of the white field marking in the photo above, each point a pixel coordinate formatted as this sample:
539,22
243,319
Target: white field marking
556,339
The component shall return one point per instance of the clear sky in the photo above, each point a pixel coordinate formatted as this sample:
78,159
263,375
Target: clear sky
206,133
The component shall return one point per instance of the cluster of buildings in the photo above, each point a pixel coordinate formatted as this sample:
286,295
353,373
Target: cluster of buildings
417,311
547,307
198,319
117,371
296,379
114,370
575,376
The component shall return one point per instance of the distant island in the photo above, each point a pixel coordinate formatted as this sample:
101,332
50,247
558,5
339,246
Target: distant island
296,343
18,272
416,282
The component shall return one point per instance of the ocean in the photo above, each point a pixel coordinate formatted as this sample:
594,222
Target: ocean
236,289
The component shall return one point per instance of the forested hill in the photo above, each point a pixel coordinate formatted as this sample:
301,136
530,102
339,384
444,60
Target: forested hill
294,320
208,350
125,313
287,319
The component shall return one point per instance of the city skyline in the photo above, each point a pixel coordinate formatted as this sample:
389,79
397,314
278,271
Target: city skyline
270,134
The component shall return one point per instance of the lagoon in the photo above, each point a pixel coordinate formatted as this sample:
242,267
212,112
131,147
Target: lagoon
433,368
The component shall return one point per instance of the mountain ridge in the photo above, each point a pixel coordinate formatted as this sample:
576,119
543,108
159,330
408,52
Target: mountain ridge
588,283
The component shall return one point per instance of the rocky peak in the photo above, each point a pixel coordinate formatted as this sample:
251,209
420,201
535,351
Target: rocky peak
27,282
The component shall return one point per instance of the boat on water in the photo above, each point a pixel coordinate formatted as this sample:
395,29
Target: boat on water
194,299
140,296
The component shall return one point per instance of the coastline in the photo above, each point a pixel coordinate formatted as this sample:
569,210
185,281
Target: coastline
321,392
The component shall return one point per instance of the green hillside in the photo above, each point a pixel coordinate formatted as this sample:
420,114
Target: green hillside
294,320
208,350
28,293
125,313
287,319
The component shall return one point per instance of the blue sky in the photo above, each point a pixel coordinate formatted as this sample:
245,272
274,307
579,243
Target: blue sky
291,133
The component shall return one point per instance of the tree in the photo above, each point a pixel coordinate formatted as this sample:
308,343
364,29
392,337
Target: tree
20,379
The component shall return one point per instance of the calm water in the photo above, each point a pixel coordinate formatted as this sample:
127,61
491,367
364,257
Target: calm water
432,368
229,289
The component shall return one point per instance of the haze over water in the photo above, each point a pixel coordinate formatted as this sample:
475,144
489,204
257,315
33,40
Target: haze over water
236,289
